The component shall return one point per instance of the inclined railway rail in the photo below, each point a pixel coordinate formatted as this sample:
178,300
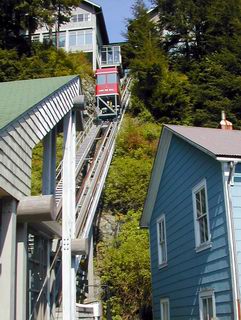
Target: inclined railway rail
94,150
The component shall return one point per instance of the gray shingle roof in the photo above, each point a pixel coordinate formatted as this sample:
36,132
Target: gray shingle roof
217,142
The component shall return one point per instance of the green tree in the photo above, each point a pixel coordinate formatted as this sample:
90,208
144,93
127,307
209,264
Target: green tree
124,266
19,16
157,92
129,173
192,29
43,63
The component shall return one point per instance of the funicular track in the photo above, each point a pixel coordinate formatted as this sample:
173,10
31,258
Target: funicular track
94,150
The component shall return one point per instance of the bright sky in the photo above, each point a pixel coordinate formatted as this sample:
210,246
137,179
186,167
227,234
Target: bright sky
116,12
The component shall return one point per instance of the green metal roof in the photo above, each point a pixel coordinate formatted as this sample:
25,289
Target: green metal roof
17,97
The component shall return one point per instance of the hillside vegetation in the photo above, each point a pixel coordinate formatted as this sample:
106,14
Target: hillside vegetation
186,69
123,263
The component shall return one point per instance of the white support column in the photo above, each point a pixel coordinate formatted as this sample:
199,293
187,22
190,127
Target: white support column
21,271
94,44
68,218
48,187
49,163
8,258
48,306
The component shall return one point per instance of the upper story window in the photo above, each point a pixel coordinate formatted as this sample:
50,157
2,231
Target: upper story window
80,17
207,306
80,37
161,241
165,312
201,218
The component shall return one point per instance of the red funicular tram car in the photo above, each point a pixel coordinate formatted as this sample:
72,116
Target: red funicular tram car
108,92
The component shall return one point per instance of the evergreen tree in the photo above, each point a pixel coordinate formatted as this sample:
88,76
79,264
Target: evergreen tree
18,17
149,67
195,28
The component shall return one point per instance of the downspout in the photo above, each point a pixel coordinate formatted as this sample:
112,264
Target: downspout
228,172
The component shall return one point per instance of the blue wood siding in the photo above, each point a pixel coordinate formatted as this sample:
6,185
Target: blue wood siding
187,271
236,205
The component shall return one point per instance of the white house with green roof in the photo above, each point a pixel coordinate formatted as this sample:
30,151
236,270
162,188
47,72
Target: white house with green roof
31,111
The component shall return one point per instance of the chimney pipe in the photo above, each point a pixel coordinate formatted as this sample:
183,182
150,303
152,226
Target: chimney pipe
225,124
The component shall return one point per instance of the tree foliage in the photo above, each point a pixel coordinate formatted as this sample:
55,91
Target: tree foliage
45,62
157,92
190,70
124,266
129,173
20,17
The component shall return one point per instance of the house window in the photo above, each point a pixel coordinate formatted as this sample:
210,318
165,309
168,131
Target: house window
201,219
80,37
161,241
80,17
165,312
207,305
62,38
35,37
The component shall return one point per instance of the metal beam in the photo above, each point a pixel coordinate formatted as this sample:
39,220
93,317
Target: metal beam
49,163
8,258
68,218
21,272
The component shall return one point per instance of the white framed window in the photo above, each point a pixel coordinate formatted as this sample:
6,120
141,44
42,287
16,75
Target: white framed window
207,307
161,241
36,37
80,37
81,17
165,309
201,216
62,39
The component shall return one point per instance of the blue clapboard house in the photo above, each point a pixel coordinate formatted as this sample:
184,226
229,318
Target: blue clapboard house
193,212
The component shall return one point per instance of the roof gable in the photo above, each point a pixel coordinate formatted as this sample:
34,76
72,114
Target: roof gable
100,20
17,97
215,142
219,144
